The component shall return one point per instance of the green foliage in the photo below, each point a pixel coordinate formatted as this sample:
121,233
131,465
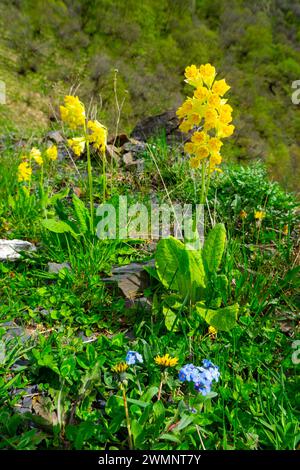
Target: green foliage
193,275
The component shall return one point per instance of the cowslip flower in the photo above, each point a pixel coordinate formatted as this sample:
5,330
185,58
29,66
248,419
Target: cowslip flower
51,152
243,214
73,112
166,361
120,368
36,155
24,172
98,135
207,108
133,357
77,144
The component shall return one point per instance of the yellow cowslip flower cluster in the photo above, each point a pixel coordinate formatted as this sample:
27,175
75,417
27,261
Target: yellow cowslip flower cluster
24,172
77,145
98,135
208,113
36,155
120,368
73,112
166,361
51,153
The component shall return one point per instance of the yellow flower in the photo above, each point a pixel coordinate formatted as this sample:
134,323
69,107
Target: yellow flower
199,137
77,144
193,76
24,172
225,131
211,119
36,155
207,73
194,162
212,331
51,152
166,360
185,108
214,144
201,151
120,367
98,135
216,158
189,147
259,215
214,100
285,230
220,87
243,214
201,93
73,113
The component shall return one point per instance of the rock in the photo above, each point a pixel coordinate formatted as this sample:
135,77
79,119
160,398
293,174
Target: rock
14,331
119,139
55,136
153,126
112,153
128,158
131,279
134,146
55,268
10,249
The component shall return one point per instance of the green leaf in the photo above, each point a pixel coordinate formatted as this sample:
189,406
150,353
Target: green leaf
82,214
149,394
213,248
170,318
58,226
184,422
180,269
170,437
223,319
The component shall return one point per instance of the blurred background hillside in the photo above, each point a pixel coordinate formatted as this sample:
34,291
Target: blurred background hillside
46,47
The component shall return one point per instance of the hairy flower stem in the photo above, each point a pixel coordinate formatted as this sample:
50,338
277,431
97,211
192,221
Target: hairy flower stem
202,196
104,175
90,181
130,441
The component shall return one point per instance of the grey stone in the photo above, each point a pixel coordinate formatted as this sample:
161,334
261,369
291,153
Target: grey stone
55,268
10,249
131,279
55,136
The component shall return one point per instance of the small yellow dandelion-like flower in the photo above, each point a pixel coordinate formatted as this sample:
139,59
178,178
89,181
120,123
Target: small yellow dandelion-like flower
36,155
166,361
259,215
77,144
120,368
98,136
51,152
24,172
285,230
212,331
243,214
73,113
